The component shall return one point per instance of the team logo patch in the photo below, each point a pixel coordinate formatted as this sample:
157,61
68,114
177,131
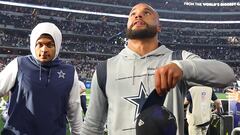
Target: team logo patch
138,100
61,74
140,123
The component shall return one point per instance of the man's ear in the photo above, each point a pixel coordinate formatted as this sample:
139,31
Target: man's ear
159,28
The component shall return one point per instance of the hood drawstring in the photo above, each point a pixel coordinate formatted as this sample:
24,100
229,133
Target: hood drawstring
49,76
148,78
133,74
40,72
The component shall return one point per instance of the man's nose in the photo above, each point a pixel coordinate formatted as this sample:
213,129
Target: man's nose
44,48
138,16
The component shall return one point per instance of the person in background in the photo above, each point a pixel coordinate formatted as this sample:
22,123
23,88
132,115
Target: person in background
234,93
4,105
44,90
199,111
83,97
143,66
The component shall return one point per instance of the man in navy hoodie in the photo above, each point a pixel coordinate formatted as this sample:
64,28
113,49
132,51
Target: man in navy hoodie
45,91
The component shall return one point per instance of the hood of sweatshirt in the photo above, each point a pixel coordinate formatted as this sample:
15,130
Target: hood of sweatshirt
51,29
46,28
134,57
131,55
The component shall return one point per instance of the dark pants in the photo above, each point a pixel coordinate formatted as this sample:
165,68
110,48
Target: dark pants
7,132
84,103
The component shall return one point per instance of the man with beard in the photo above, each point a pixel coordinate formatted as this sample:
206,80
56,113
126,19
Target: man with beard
145,66
44,90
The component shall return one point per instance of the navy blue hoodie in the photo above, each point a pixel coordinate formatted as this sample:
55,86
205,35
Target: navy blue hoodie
39,97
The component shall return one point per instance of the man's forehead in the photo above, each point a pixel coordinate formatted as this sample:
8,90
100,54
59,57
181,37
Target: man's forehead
144,6
46,36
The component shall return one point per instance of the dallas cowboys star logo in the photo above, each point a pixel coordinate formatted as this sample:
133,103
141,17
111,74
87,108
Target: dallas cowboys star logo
61,74
138,100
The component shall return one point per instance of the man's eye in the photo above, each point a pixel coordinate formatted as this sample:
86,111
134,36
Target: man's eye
132,14
39,45
147,13
50,45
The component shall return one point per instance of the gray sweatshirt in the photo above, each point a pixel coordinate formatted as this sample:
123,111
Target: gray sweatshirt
130,79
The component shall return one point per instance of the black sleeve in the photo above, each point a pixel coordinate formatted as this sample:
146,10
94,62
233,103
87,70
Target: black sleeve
188,96
214,96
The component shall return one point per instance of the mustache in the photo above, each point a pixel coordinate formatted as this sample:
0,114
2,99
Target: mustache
43,54
135,22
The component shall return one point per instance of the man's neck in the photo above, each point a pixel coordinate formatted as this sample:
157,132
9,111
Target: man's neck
144,46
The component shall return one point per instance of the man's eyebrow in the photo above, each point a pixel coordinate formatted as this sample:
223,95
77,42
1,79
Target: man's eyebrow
45,42
148,9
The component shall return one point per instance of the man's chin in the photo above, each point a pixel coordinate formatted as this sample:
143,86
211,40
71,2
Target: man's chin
138,28
43,60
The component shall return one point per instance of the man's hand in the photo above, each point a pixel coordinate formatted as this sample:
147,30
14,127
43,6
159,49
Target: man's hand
233,94
166,77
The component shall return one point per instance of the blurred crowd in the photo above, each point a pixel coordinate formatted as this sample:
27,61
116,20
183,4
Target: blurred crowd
173,5
88,39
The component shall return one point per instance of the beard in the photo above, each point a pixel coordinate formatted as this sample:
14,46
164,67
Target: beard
149,32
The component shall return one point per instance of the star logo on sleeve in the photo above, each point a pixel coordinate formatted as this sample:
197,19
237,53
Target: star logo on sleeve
61,74
138,100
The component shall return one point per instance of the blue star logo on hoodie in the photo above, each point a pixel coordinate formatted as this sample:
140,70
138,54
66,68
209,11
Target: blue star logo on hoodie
138,100
61,74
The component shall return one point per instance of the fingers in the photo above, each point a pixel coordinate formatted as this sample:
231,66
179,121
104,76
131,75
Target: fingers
170,79
166,77
158,82
231,90
233,94
161,81
230,95
164,82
